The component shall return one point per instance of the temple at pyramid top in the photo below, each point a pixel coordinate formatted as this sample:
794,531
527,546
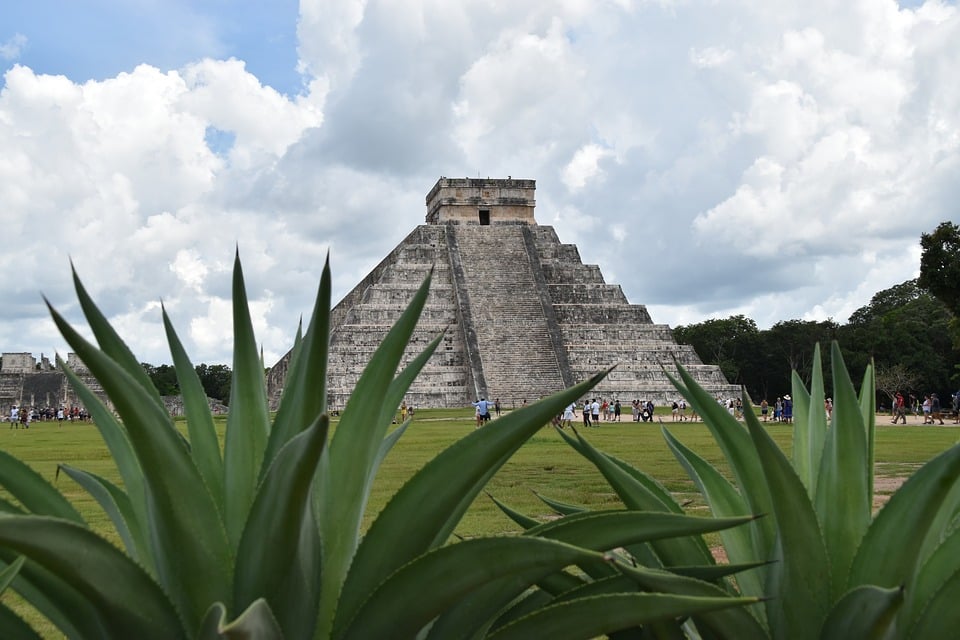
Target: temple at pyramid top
481,201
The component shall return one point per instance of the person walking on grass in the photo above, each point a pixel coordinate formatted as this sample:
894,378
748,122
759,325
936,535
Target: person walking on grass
927,408
899,408
568,415
483,411
935,409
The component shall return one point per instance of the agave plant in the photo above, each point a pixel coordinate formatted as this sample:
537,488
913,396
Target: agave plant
262,538
826,567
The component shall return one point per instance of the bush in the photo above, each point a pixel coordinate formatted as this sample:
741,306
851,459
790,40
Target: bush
826,567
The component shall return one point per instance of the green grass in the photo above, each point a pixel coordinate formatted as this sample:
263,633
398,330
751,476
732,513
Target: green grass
545,464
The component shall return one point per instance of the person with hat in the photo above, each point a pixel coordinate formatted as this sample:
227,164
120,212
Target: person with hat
787,409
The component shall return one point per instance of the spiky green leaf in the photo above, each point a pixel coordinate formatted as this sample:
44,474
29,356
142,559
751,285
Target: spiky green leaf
278,556
345,473
248,421
305,395
35,494
592,617
439,493
130,602
865,612
641,493
116,504
918,502
179,505
111,343
204,444
422,589
738,450
798,579
842,495
742,544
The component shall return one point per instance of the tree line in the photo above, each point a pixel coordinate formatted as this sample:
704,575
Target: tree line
214,378
910,332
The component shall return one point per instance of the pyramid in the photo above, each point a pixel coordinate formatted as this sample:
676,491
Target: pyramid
522,317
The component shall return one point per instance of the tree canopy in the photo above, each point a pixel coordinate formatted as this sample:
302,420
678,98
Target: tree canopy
902,329
940,264
215,380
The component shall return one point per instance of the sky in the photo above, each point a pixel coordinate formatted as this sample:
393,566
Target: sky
775,159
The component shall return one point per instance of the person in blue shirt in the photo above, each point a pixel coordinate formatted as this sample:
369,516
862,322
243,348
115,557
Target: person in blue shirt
483,411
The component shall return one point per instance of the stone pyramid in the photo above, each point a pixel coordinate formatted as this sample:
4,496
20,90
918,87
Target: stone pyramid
523,316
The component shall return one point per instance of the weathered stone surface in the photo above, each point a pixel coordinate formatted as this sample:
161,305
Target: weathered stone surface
523,316
27,382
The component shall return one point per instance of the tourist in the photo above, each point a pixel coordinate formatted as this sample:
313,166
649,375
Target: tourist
496,406
764,409
403,412
899,408
586,413
683,409
778,410
650,410
636,410
595,410
926,410
935,409
675,410
787,409
616,410
483,411
568,415
828,408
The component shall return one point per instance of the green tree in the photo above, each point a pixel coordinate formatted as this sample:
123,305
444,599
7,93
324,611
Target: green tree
788,346
164,378
904,325
215,380
731,343
940,264
940,270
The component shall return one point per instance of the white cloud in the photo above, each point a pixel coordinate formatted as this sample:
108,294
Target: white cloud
584,166
10,50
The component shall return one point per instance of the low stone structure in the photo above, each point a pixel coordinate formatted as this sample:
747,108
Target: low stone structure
521,316
27,381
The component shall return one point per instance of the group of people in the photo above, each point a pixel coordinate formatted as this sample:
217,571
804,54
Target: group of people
597,409
783,409
931,407
642,410
483,408
22,417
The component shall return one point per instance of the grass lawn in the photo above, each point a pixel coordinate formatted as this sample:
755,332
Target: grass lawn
545,464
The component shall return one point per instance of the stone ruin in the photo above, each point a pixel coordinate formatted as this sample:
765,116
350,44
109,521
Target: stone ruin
522,316
26,381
